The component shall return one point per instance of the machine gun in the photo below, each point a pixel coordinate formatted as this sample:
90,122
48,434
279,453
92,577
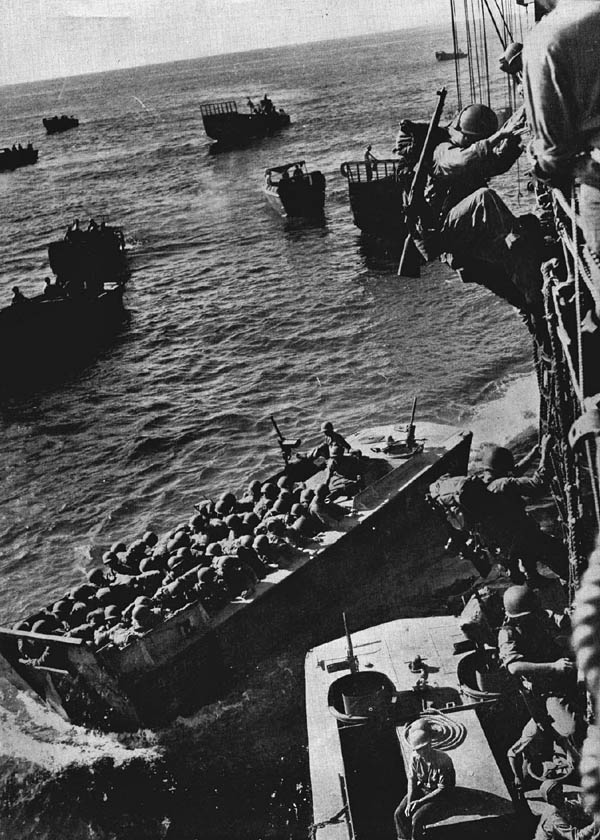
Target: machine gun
286,446
410,260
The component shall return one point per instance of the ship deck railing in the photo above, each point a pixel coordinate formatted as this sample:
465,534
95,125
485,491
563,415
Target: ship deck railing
214,109
359,171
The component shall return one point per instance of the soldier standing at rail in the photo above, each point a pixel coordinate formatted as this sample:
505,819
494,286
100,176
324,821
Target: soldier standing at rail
562,98
533,648
332,438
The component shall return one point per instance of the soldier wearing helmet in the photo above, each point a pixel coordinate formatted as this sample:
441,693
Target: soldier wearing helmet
468,221
534,648
431,778
564,818
332,438
528,542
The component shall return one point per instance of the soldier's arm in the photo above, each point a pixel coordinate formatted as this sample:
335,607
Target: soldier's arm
549,110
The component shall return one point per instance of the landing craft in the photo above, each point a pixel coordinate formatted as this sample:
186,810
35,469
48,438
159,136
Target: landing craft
55,125
294,191
197,654
225,124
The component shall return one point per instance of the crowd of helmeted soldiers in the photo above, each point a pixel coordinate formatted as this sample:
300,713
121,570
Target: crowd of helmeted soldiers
218,555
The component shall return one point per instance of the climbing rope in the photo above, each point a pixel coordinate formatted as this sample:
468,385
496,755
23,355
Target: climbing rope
455,48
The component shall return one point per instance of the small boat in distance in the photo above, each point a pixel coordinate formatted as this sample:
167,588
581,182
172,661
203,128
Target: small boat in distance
450,56
54,125
17,156
294,191
224,123
58,330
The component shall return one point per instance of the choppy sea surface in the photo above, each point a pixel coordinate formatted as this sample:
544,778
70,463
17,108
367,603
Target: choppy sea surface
236,314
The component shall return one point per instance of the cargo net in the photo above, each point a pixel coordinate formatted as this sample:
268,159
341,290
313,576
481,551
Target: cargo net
566,351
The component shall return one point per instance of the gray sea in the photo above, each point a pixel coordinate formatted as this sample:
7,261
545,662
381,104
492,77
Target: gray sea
236,314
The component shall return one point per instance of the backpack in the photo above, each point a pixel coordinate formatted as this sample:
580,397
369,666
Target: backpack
464,499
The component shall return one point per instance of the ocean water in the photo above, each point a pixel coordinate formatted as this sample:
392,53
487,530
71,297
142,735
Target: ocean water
236,314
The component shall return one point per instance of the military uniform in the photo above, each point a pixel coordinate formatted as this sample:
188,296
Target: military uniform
427,773
562,97
526,541
550,698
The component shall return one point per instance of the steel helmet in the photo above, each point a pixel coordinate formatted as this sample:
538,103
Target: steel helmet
519,601
498,459
270,491
475,122
327,427
419,738
550,789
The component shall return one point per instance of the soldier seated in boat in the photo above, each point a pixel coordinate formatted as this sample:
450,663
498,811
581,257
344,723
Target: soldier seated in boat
468,223
298,173
51,290
431,778
332,438
344,474
534,647
237,576
269,494
74,233
266,105
18,297
528,542
323,513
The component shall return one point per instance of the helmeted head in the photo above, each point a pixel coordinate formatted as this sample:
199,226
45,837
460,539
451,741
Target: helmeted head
327,427
519,601
419,739
552,791
270,491
511,60
499,460
475,122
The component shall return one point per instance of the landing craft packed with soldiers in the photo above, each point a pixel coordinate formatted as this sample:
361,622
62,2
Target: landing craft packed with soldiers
477,723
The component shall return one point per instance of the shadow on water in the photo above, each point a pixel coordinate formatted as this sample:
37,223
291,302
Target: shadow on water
379,254
47,368
297,228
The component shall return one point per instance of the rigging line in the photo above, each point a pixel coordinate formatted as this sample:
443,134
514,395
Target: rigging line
455,47
493,19
503,19
469,51
487,65
476,43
